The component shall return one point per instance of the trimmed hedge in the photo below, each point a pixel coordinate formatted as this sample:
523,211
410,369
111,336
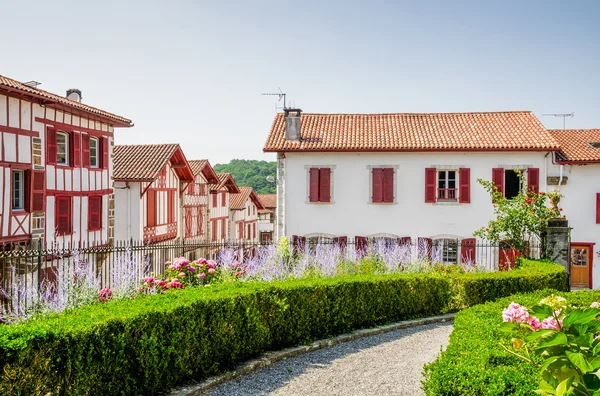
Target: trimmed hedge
475,364
148,344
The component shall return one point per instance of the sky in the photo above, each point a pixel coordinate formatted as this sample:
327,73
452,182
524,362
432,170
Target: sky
192,72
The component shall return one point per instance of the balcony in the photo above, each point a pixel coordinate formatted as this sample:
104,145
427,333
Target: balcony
446,194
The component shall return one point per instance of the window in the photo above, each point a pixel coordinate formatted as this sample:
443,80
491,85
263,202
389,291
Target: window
94,145
595,145
598,208
512,183
213,230
171,207
151,208
202,189
63,215
254,230
447,249
446,185
223,199
248,232
18,190
248,210
319,185
214,200
241,230
95,213
382,185
223,228
62,148
265,237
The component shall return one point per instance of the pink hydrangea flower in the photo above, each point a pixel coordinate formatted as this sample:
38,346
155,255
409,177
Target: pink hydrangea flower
191,268
211,271
551,324
105,294
202,261
182,261
202,275
515,313
212,264
161,283
149,279
535,323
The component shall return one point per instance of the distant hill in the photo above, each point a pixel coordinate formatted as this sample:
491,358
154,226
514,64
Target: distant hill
251,173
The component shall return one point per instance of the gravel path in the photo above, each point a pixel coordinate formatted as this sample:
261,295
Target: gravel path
385,364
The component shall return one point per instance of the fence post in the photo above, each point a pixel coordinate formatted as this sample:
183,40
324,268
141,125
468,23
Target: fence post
39,265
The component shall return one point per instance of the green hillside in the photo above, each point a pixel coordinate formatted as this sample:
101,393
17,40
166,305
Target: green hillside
251,173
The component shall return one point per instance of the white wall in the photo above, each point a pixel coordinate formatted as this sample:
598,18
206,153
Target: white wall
128,212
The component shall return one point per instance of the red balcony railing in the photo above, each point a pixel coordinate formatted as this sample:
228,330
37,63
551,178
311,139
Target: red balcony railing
446,194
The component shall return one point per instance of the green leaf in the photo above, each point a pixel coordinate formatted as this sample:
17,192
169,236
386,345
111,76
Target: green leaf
596,363
555,362
538,334
508,327
579,360
563,388
581,316
541,311
546,388
579,328
555,338
591,381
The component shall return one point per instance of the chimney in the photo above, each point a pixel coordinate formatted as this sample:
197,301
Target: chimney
292,124
74,94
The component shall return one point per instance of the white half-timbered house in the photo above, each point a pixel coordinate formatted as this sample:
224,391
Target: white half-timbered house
245,207
55,167
266,217
219,212
195,200
149,184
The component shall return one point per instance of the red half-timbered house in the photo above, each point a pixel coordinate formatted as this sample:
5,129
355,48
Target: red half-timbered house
219,213
266,217
245,207
149,183
55,166
195,200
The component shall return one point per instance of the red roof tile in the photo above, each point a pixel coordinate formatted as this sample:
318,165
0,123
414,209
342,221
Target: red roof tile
143,162
207,170
509,130
225,180
268,200
14,85
575,145
238,201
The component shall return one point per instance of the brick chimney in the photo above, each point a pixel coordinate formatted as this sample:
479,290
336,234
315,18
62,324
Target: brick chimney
292,124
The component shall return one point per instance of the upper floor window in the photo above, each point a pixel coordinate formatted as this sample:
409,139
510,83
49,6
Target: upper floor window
18,190
448,185
62,148
509,182
94,145
382,185
319,185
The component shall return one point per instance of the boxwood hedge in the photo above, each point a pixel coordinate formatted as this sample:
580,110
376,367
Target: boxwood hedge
475,364
148,344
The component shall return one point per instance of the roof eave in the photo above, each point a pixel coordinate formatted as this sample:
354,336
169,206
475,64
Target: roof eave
268,150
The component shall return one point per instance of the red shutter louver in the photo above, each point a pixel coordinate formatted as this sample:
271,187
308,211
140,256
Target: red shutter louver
429,185
213,230
464,175
95,213
85,149
404,241
27,193
377,185
533,180
467,250
63,215
223,229
38,191
498,179
241,231
598,208
51,145
214,200
314,185
104,144
224,199
424,248
342,242
361,244
388,185
76,152
188,222
151,208
200,221
171,207
324,185
254,230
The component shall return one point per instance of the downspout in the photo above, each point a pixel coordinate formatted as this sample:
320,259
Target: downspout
546,171
560,170
128,212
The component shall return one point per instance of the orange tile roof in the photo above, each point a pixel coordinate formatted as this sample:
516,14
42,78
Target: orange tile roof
225,180
508,130
143,162
268,200
13,85
238,201
575,145
204,166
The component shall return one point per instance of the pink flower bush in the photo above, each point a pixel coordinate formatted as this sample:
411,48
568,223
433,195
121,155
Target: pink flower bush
515,313
551,324
105,294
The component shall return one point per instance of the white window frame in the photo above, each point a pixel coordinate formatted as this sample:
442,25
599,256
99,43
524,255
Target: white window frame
66,144
97,143
437,184
370,192
20,191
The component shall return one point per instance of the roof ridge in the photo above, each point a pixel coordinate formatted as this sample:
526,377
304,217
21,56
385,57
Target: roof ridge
418,114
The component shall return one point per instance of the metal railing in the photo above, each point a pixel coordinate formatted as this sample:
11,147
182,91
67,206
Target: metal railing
447,194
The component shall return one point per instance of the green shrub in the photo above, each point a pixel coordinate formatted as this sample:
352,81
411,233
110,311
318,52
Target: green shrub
475,364
147,344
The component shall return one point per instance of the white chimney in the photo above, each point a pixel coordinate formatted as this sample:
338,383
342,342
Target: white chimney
74,94
292,124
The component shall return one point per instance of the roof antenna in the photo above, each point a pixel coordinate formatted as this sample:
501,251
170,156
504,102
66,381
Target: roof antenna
563,115
281,94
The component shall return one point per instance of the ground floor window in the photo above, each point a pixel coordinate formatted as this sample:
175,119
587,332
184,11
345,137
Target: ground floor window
446,250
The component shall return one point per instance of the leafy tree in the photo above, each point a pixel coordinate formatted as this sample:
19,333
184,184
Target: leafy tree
251,173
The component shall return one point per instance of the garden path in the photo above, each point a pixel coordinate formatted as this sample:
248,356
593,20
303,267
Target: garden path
384,364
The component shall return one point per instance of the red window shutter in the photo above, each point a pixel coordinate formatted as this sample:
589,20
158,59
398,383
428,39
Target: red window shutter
213,230
361,244
151,208
342,241
498,179
188,222
424,248
533,179
464,175
314,185
253,230
38,191
51,144
202,192
248,210
171,207
324,184
76,149
104,145
404,241
214,200
430,185
377,187
190,189
94,213
63,215
85,149
467,250
598,208
27,192
241,231
223,198
388,185
223,229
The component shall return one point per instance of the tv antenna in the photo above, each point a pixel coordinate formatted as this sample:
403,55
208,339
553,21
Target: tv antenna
280,94
563,115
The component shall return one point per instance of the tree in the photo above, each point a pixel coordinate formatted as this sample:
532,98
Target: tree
251,173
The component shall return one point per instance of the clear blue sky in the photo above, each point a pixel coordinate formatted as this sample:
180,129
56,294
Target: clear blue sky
192,71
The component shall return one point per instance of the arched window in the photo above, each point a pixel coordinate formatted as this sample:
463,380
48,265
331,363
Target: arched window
94,145
62,148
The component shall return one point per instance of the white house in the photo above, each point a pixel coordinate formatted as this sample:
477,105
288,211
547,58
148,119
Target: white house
410,176
55,167
575,172
219,213
245,207
266,217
